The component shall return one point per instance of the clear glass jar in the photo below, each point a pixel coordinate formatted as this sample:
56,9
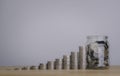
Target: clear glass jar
97,52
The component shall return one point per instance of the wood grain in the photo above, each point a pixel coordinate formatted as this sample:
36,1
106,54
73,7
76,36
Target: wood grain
113,71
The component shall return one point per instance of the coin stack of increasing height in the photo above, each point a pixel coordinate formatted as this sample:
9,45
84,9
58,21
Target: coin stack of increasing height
64,62
57,64
72,60
49,65
80,58
41,66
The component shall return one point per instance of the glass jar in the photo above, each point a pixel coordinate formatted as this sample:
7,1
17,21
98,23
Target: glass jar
97,52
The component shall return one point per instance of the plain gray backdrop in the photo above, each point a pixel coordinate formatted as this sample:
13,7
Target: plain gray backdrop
34,31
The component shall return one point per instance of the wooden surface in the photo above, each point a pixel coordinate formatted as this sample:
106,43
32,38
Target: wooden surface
113,71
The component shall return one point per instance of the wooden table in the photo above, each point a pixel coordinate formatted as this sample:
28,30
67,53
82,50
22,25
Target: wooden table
113,71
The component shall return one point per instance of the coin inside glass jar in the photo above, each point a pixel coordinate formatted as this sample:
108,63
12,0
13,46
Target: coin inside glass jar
97,52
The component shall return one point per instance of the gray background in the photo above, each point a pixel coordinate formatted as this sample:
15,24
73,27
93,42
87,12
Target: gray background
34,31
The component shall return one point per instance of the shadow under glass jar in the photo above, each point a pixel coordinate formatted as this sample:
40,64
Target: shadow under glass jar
97,52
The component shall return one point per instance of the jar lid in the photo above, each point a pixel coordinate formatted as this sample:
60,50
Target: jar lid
97,37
